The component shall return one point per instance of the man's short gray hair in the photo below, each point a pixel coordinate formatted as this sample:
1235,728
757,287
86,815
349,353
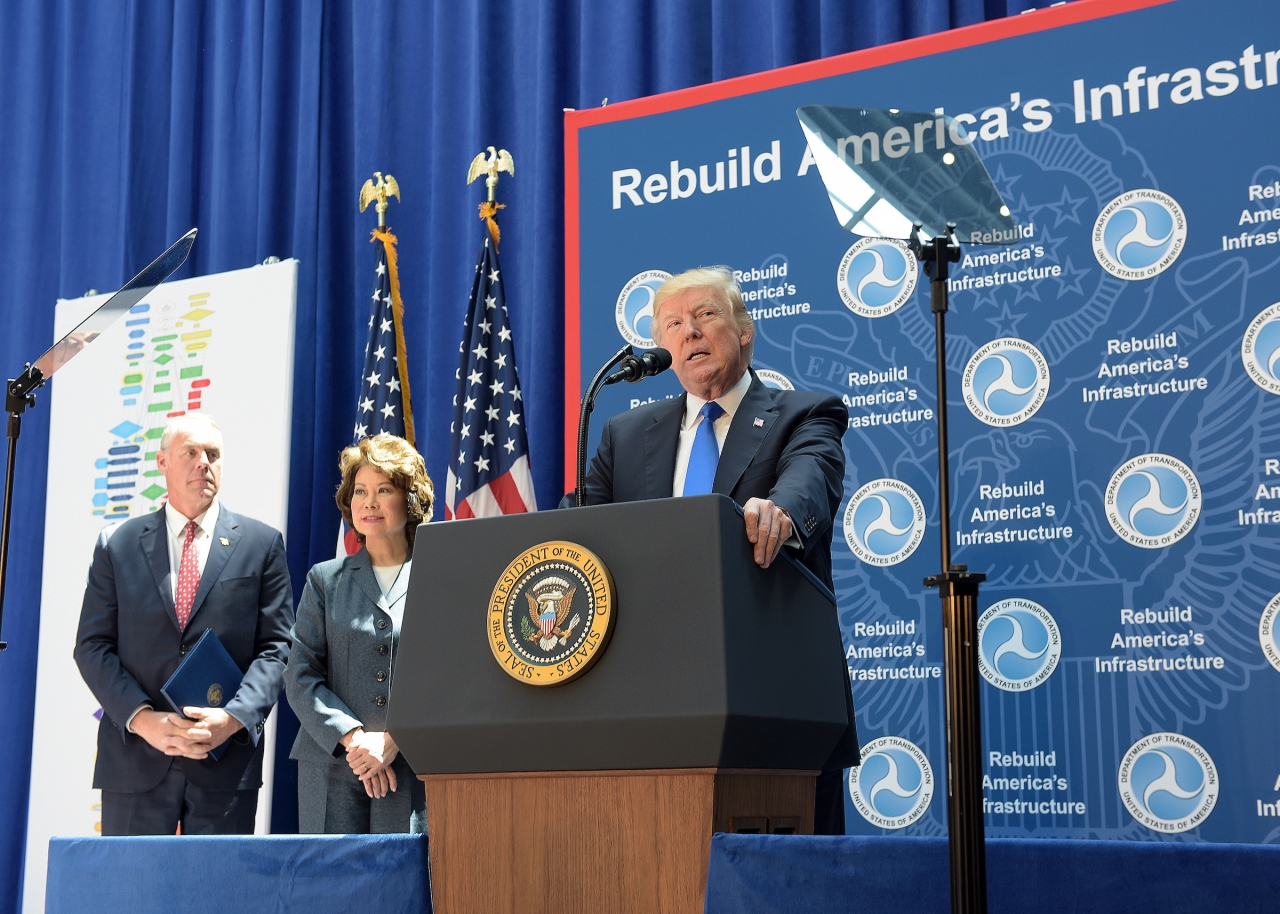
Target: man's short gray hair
720,278
186,423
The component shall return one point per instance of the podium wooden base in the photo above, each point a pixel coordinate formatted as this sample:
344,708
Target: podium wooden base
591,842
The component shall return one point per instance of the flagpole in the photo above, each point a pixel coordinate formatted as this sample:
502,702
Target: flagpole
488,470
383,402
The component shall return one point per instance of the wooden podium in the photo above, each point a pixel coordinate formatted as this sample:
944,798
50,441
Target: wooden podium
721,694
596,841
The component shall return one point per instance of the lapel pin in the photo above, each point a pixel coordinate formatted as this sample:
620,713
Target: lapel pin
224,541
758,422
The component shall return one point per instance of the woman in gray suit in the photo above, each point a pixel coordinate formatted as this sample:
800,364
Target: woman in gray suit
351,778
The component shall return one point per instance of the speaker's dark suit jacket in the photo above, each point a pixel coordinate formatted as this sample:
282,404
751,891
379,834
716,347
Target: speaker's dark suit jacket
783,445
129,643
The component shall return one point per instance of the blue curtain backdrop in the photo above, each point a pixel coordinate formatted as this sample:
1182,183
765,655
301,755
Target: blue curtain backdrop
126,123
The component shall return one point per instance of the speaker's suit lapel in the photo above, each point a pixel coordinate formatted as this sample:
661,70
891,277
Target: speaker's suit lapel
156,551
751,424
661,440
364,577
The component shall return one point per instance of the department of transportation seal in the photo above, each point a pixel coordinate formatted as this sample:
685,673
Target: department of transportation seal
1268,631
633,311
1005,382
1139,234
1019,644
1260,349
775,379
551,613
1168,782
894,784
1153,501
876,276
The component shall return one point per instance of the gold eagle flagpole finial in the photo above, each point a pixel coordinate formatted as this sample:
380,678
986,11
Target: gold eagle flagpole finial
490,164
386,187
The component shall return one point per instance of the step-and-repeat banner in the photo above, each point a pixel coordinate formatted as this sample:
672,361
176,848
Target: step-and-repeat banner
220,344
1114,383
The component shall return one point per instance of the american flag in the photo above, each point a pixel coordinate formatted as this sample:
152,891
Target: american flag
383,404
489,470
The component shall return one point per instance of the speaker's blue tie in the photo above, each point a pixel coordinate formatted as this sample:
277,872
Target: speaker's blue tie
705,455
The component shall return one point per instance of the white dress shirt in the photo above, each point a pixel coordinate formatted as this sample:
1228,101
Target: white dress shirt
729,402
177,522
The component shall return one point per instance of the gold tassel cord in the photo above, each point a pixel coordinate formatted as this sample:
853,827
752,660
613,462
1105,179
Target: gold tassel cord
397,309
489,212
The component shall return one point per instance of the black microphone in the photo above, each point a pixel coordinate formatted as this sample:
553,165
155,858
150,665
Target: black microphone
635,368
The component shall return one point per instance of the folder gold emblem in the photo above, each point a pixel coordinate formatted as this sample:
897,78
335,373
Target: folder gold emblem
551,613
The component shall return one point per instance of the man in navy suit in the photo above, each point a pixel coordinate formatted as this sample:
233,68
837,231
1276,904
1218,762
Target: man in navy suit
157,583
777,453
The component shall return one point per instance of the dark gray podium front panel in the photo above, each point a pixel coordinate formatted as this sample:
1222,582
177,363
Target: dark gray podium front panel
713,662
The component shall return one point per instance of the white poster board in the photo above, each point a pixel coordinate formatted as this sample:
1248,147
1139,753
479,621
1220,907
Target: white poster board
220,344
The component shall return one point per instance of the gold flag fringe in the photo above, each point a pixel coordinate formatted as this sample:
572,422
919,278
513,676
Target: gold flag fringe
489,212
397,308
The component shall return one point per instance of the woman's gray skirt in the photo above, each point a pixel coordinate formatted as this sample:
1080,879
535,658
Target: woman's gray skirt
331,800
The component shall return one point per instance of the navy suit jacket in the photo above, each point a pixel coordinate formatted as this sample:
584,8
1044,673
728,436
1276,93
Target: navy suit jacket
783,445
129,643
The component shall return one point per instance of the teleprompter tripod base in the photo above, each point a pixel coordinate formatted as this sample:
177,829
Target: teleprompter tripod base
967,844
580,842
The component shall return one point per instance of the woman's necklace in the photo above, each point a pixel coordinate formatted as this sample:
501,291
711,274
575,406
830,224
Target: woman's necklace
399,571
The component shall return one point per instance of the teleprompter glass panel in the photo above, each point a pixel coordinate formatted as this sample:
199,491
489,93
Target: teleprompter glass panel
885,169
134,291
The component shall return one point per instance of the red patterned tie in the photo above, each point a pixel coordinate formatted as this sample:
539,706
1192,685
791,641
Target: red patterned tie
188,577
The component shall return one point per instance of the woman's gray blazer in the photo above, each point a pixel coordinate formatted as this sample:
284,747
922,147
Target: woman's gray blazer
339,672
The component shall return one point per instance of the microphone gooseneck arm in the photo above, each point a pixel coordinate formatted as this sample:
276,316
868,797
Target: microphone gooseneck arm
584,420
634,368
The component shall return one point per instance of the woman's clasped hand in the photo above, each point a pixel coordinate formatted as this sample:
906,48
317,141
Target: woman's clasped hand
370,756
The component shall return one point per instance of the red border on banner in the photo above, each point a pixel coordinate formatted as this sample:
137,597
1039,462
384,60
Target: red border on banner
937,43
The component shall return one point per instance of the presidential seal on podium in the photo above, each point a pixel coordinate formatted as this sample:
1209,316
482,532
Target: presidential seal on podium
551,613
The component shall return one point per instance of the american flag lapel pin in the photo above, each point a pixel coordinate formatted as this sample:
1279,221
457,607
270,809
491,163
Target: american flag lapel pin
224,541
758,422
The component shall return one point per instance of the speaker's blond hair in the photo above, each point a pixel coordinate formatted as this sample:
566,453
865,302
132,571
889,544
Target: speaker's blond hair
720,279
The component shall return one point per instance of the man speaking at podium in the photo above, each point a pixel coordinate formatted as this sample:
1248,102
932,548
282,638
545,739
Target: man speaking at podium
157,583
775,452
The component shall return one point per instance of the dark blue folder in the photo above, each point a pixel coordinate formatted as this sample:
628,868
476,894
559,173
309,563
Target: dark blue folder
206,678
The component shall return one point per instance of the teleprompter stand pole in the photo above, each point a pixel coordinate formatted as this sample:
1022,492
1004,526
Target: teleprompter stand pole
18,396
959,591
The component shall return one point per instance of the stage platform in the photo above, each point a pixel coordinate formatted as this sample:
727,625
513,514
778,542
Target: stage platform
277,874
749,874
754,874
